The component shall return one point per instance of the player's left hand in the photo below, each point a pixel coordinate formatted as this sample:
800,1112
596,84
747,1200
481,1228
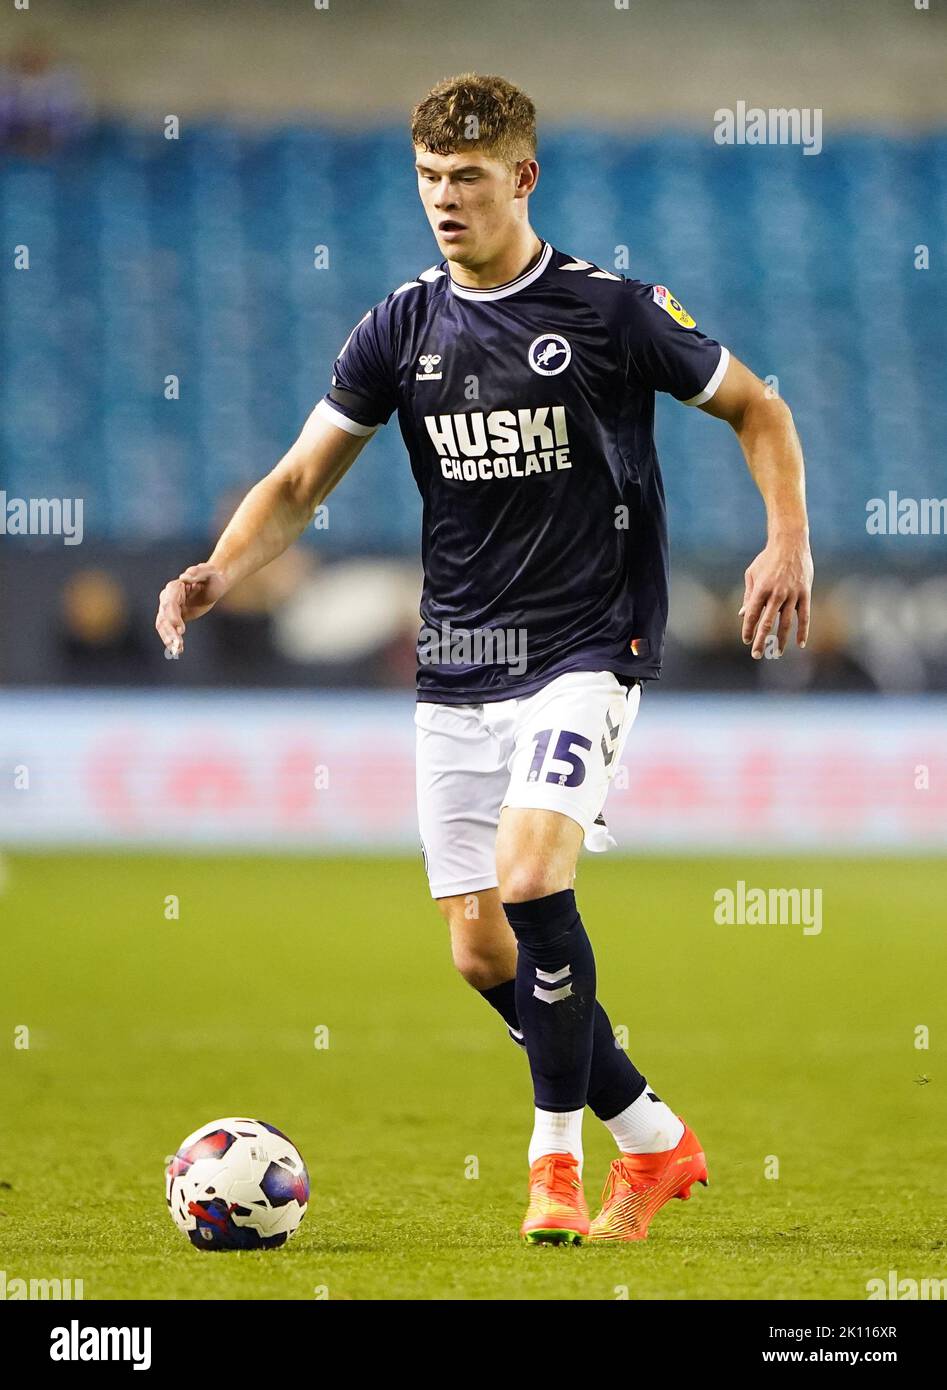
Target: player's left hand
778,585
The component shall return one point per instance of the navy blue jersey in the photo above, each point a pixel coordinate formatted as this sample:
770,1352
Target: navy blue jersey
528,415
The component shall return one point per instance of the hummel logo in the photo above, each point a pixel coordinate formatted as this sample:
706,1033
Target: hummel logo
594,273
613,729
428,360
553,977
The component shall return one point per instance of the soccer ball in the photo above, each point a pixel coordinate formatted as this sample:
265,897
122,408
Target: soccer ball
237,1185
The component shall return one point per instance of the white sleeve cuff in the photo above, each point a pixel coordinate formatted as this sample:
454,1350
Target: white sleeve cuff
711,388
335,417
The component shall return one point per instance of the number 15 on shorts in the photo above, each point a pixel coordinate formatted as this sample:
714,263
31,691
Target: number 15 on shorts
566,750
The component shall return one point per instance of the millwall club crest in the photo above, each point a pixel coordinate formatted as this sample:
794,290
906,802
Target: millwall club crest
549,354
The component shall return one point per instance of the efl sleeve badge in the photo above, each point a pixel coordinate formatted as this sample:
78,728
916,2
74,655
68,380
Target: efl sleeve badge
663,297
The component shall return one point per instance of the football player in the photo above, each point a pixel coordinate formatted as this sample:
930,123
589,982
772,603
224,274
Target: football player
524,380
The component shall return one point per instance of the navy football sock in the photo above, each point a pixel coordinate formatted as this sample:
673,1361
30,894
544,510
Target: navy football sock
502,997
555,997
614,1081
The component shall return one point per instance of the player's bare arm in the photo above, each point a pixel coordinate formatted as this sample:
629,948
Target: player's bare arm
274,513
779,581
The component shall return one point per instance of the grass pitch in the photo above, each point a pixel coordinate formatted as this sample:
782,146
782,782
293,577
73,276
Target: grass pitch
777,1047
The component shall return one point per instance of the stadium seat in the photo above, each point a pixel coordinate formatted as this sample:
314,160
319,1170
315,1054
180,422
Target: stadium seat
175,325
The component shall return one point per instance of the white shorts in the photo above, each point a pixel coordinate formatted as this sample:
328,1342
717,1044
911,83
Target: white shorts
556,750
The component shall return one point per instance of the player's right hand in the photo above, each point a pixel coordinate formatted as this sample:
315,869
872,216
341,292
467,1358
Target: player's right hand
191,595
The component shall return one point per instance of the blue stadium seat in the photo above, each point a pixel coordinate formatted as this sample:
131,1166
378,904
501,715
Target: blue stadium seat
174,328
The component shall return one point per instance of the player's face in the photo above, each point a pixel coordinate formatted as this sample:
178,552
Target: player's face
472,202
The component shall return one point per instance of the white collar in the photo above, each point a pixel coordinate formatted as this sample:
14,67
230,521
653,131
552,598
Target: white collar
511,287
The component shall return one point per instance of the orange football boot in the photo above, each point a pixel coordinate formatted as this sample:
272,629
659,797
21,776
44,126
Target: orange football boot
557,1213
638,1185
